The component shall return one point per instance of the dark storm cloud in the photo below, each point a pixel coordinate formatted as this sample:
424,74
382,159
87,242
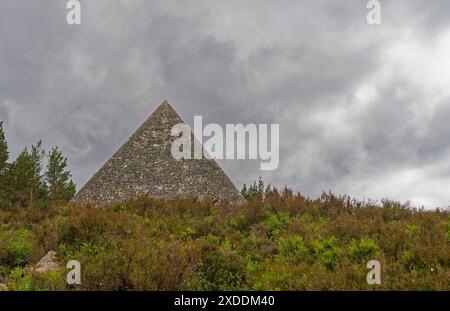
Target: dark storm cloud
362,109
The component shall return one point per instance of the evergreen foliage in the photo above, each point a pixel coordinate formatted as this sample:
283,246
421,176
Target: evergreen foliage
23,183
60,186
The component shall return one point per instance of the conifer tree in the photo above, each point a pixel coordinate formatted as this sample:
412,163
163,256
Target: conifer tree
4,154
58,179
5,182
29,185
38,189
22,174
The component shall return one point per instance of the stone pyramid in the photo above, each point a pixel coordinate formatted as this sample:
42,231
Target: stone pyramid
144,166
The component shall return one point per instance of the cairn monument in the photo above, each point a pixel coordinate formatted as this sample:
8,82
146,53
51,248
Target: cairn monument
144,166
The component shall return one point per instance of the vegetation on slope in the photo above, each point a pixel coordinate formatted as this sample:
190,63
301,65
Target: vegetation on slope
276,241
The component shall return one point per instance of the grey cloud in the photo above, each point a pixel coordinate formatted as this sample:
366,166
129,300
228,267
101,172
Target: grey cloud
303,64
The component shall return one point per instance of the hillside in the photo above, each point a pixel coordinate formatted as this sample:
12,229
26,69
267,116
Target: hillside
276,241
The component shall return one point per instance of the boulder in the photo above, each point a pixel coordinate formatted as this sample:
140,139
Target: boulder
48,263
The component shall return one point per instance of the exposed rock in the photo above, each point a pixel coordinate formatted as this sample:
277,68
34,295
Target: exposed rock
144,166
48,263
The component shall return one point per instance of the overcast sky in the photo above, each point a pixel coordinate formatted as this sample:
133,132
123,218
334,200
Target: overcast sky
363,110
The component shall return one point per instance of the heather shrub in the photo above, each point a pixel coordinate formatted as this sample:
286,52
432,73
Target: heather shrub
243,219
278,240
239,222
167,267
448,229
220,270
412,261
258,246
52,231
48,281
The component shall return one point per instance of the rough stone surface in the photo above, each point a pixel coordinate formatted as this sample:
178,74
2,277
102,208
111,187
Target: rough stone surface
47,263
144,166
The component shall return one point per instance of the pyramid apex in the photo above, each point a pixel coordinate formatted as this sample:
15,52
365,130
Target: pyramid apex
165,104
164,111
165,108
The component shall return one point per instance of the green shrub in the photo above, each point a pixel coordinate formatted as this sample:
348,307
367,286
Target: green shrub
88,248
15,247
448,229
292,247
66,250
277,221
239,222
220,270
412,229
251,265
363,249
20,280
49,281
327,251
188,234
413,261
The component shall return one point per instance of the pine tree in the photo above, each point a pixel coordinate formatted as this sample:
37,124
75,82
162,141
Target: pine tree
22,174
4,154
69,191
38,189
28,181
5,182
255,191
60,186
